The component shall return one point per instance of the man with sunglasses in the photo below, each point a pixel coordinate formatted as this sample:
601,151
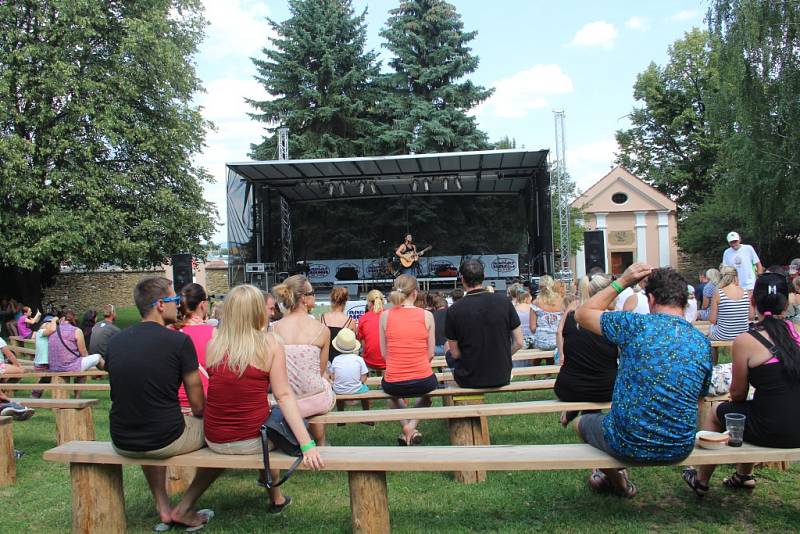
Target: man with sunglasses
147,363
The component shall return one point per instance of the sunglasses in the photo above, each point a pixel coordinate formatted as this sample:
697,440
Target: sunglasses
309,294
176,299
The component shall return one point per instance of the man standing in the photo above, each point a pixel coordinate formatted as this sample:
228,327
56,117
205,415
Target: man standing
479,329
664,368
146,365
744,259
103,331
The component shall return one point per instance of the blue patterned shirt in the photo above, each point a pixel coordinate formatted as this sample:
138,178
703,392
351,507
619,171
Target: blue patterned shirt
664,367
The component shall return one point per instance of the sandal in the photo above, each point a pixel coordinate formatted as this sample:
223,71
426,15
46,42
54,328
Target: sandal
416,438
567,417
738,481
690,477
599,482
401,440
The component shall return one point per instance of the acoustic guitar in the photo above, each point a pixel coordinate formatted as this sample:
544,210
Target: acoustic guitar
410,258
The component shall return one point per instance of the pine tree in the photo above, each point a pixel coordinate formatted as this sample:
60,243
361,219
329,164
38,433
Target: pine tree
323,81
426,106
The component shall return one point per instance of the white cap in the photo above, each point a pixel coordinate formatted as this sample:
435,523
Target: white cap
733,236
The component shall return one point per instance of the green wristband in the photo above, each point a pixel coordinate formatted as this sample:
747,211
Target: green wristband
617,287
308,446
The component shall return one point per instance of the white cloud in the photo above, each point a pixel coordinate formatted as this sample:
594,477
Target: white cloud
237,28
686,14
516,96
223,103
589,162
599,33
637,23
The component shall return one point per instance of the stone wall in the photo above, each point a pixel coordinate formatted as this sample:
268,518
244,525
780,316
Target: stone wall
83,290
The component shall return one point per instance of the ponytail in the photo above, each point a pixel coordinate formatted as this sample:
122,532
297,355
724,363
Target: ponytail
375,298
290,293
404,286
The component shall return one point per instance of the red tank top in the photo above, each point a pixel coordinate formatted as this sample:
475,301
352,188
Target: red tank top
236,406
369,332
406,345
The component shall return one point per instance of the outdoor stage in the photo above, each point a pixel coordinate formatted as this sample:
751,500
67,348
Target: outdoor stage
523,173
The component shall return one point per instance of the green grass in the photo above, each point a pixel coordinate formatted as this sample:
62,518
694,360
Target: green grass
421,502
127,316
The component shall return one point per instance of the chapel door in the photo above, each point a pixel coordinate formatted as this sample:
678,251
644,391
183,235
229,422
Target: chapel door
620,261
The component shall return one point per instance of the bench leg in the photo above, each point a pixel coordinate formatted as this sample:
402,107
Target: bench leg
179,478
369,502
74,425
98,502
472,431
8,463
59,393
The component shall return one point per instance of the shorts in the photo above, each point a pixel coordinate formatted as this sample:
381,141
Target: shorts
192,439
245,446
590,428
87,362
410,388
360,389
317,403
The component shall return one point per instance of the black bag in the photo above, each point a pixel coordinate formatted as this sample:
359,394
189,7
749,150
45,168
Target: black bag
346,273
276,430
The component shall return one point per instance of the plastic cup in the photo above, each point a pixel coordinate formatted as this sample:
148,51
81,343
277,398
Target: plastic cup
734,424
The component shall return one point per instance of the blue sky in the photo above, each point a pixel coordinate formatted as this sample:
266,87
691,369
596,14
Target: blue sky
576,55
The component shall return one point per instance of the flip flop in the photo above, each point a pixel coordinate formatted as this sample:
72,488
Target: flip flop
206,512
401,440
416,437
163,527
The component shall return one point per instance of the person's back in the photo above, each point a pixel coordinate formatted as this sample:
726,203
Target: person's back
481,323
733,312
62,350
406,344
589,370
664,367
347,371
237,405
200,334
102,332
146,365
369,333
547,319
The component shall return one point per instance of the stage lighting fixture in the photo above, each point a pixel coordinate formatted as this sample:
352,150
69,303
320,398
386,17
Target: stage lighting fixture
427,184
444,184
414,186
341,189
458,183
330,189
373,188
361,188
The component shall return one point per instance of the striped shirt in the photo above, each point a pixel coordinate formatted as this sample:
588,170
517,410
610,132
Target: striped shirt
732,317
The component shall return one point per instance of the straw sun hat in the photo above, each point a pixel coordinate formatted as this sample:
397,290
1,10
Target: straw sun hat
345,341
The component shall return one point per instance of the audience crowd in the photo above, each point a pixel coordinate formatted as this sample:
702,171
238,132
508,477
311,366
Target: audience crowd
188,376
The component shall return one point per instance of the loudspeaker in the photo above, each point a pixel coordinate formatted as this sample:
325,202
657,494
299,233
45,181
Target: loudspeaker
346,273
181,271
594,249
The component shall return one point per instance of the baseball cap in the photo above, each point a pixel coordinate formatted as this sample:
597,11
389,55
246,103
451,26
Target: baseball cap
733,236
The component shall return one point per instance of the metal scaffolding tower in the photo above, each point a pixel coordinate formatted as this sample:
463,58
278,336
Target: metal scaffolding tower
287,253
561,200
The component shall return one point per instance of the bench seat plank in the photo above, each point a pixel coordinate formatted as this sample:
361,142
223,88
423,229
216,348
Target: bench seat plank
63,374
458,412
530,385
538,370
57,387
489,458
57,404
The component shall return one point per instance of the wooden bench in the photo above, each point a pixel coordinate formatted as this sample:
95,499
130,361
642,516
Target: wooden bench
8,462
20,342
17,350
74,421
530,385
58,390
98,502
536,370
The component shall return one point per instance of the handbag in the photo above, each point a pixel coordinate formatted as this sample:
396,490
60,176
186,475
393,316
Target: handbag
276,430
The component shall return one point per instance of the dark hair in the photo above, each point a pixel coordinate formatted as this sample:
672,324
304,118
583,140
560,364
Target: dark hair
457,294
472,272
191,297
668,287
339,296
770,296
148,290
89,320
69,317
777,269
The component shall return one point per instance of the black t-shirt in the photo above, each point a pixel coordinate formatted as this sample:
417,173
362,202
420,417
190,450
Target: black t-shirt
439,318
146,365
481,324
590,365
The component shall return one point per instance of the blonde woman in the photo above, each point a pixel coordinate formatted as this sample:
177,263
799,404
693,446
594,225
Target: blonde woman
407,340
547,311
337,319
369,331
305,342
730,307
709,289
243,363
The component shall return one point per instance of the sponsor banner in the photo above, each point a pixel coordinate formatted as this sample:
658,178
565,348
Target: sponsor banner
330,271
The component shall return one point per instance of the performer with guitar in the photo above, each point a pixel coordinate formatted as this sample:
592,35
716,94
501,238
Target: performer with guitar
409,257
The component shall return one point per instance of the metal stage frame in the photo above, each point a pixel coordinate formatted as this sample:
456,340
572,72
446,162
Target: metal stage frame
519,172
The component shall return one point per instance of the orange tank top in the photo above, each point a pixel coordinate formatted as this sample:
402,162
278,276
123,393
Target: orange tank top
406,345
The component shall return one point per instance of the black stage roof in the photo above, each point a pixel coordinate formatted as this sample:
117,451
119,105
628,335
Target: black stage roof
490,172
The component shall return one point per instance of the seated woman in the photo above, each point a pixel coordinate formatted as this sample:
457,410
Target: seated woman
588,360
192,314
26,322
243,362
66,350
305,342
708,294
521,299
767,358
407,341
13,312
337,319
730,307
369,332
546,313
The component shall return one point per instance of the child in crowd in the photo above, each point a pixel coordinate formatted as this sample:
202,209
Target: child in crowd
348,370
